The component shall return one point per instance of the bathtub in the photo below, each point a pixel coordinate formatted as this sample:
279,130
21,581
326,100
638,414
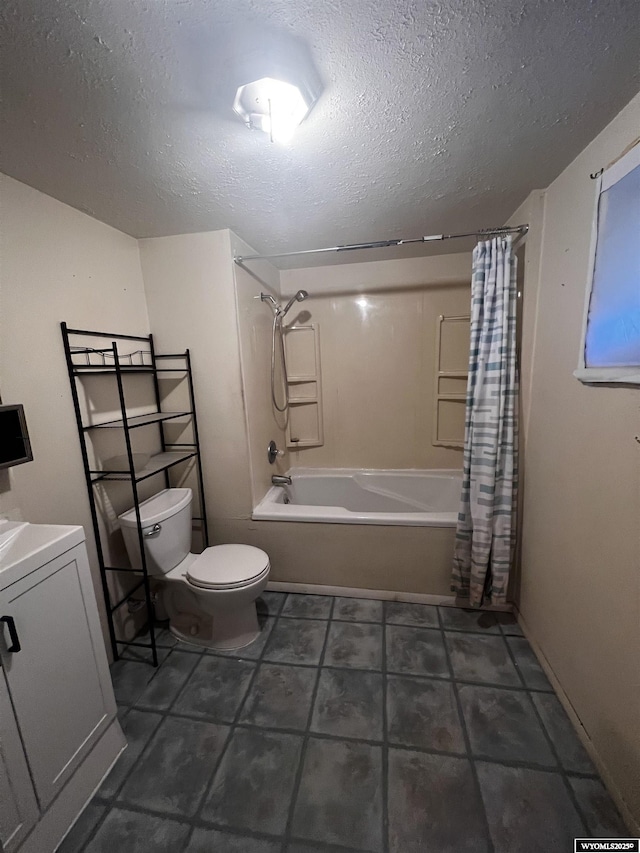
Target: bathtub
385,533
408,498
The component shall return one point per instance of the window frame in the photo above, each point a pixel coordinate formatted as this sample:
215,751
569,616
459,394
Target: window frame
627,374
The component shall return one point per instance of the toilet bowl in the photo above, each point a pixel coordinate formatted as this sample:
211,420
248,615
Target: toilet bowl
210,598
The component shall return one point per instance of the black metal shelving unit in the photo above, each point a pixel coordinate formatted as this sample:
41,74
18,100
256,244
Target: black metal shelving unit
108,360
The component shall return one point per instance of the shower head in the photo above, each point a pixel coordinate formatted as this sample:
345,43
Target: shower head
300,296
265,297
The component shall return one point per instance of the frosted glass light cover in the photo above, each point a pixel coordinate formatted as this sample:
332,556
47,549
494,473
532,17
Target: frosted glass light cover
272,106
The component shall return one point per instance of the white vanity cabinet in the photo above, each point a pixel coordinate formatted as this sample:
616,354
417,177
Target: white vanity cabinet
58,729
18,804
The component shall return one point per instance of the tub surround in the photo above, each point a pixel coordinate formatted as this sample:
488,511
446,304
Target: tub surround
377,323
215,314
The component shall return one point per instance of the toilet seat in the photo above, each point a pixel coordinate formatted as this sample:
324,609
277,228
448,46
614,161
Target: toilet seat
227,567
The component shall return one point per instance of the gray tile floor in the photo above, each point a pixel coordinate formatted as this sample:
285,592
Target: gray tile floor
349,725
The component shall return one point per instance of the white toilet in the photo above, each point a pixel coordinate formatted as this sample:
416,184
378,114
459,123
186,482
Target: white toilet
210,597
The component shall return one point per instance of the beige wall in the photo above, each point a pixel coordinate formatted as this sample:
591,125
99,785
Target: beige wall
190,290
56,264
377,347
580,589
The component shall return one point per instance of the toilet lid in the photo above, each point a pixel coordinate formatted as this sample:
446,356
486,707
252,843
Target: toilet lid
226,566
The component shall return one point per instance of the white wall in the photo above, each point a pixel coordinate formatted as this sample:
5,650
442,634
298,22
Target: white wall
580,585
56,264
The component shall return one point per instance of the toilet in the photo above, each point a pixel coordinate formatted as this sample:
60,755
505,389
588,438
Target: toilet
210,598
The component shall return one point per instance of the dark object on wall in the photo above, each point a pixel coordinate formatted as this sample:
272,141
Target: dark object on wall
15,447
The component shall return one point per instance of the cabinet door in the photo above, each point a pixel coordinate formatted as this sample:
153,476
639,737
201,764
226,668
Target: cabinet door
18,807
59,681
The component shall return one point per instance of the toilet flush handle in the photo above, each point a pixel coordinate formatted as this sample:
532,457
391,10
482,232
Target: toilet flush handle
152,530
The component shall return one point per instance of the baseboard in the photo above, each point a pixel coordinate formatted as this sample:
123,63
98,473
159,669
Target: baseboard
632,824
384,594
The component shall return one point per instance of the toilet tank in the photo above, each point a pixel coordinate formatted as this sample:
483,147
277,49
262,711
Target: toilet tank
166,530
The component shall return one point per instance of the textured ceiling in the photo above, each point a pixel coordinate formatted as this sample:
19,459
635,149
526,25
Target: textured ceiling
436,116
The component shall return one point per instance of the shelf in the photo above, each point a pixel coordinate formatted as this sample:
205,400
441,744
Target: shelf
103,360
110,369
159,462
139,420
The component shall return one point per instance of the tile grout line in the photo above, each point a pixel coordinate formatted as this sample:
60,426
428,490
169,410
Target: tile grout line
95,828
467,742
211,719
198,823
233,725
307,733
325,846
385,737
163,714
242,833
560,767
419,676
191,819
505,633
483,632
198,656
110,803
287,730
368,741
506,762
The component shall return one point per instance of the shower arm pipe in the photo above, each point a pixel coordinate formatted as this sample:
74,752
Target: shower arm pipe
385,244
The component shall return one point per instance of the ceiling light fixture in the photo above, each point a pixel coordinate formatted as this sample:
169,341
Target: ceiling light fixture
273,106
274,82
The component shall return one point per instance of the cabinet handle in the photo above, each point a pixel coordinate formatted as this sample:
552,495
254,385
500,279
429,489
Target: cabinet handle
11,625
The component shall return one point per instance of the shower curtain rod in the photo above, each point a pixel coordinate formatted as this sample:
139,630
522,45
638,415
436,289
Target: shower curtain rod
384,244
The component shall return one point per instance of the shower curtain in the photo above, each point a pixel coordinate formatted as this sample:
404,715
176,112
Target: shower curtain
485,535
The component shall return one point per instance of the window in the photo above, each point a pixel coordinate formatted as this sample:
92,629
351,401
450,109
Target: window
610,350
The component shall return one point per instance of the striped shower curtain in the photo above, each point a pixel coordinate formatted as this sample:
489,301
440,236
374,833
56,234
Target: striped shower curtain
485,536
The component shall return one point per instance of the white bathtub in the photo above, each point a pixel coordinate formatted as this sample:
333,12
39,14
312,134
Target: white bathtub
359,496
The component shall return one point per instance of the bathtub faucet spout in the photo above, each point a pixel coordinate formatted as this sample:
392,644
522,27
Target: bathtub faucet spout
280,480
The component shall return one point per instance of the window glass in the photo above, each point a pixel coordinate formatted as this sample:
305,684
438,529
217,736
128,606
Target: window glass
613,324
